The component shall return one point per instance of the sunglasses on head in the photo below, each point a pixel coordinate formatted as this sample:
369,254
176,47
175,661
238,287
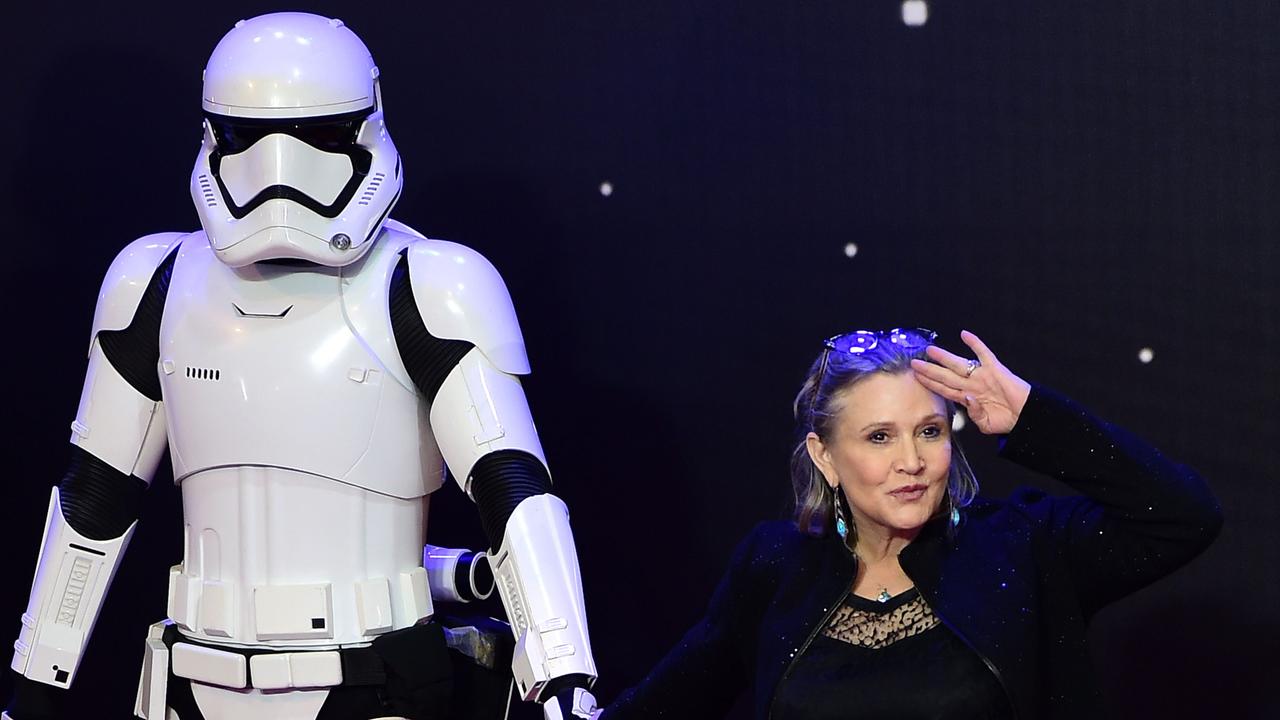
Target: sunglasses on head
861,341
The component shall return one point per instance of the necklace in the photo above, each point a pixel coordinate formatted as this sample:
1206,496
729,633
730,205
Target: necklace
883,595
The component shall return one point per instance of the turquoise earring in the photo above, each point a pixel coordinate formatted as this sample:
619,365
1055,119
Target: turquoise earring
842,528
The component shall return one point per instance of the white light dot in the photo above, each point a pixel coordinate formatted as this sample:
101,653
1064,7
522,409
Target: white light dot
915,12
850,249
606,188
958,421
1145,355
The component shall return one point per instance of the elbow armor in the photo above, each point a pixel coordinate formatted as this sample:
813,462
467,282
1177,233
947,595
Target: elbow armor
461,344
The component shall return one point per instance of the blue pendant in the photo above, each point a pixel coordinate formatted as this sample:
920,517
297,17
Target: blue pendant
841,528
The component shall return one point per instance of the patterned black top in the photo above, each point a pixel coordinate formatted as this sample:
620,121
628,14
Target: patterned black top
891,660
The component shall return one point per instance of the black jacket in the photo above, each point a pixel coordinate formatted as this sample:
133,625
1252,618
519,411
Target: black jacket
1017,580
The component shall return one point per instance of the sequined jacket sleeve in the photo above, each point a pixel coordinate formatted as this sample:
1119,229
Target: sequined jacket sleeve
714,662
1140,515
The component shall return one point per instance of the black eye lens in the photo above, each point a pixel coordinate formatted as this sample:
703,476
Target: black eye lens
335,133
234,137
329,135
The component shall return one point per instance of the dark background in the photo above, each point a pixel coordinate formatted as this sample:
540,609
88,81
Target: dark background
1073,181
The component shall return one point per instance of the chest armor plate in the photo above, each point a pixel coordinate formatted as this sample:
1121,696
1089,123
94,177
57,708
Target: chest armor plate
294,367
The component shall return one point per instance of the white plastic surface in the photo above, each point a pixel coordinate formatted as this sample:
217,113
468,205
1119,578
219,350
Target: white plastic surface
278,347
266,390
365,285
278,671
127,279
462,297
284,229
271,672
117,424
293,612
442,565
218,608
268,534
73,573
289,65
414,592
153,683
218,703
479,410
537,574
304,453
373,606
583,707
442,572
208,665
285,160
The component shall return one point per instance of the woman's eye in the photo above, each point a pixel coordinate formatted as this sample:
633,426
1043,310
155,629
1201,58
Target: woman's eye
878,436
932,431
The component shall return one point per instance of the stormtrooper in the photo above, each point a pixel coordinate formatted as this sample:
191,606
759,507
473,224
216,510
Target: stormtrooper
312,367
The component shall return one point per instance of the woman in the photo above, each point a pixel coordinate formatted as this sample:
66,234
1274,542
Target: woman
896,593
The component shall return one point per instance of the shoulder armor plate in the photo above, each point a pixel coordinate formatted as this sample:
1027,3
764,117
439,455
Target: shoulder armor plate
127,280
462,297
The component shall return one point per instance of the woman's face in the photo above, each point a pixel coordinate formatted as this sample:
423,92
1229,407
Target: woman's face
890,453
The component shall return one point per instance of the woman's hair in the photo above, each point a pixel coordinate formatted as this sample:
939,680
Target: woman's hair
816,409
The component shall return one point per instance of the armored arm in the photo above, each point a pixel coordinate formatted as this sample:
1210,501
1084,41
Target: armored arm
117,439
458,336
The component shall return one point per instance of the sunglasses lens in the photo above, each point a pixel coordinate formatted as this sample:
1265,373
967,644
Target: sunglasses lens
860,341
911,336
855,342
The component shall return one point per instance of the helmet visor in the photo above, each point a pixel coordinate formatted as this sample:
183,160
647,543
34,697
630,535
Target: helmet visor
315,162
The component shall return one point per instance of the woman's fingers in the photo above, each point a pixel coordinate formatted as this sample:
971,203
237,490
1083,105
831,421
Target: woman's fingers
979,348
923,376
949,360
937,373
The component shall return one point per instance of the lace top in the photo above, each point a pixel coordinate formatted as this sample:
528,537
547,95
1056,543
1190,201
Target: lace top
875,627
891,660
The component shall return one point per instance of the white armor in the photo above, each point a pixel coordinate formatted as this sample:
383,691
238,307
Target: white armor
306,70
305,451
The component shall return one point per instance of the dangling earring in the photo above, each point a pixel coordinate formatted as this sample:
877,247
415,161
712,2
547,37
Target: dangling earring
842,528
955,511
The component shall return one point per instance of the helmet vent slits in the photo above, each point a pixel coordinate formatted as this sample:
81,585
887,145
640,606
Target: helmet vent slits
204,373
206,188
372,188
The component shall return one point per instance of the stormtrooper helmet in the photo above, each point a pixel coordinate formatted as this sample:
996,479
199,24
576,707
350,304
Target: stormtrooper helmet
296,161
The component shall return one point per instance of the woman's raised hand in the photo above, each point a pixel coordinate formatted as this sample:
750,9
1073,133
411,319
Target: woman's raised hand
990,393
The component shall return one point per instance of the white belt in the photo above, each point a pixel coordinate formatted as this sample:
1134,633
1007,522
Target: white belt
265,671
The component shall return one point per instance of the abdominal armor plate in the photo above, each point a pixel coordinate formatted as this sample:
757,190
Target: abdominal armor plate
303,456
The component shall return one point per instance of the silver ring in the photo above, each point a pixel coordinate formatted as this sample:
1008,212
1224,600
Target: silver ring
970,366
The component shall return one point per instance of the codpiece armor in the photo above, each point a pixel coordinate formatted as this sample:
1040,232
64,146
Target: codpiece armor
313,367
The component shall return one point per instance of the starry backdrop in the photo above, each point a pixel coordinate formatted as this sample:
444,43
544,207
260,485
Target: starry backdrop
685,198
